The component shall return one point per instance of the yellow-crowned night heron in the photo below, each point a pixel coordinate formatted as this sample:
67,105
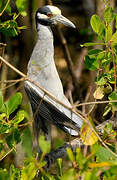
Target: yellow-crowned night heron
42,70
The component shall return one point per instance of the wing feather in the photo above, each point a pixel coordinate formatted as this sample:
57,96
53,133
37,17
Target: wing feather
48,112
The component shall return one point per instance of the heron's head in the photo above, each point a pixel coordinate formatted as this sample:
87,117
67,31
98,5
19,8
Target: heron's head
51,15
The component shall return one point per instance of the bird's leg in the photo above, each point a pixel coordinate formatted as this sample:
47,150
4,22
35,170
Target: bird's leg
48,132
40,127
36,132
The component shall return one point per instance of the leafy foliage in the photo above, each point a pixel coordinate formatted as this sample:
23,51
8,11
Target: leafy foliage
103,60
9,127
99,159
10,27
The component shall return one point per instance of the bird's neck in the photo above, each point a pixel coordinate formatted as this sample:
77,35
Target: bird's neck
43,53
44,32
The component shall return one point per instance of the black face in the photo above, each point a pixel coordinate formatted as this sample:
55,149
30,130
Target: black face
44,21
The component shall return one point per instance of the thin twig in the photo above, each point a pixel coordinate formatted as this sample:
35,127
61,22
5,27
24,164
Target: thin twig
80,63
6,87
5,7
25,124
2,44
38,107
114,66
16,89
97,102
86,98
4,68
11,81
6,154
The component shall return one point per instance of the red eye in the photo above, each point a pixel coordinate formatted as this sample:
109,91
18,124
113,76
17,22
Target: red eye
50,15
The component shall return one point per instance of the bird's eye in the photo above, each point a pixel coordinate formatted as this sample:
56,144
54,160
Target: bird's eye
50,15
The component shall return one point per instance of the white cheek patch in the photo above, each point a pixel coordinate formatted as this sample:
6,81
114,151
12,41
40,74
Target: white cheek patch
41,16
54,10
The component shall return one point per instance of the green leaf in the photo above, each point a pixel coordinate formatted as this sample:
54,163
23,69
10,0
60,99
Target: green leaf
107,88
4,128
4,175
19,117
98,26
90,175
101,55
69,175
1,145
109,15
108,128
14,102
70,154
109,76
113,170
13,139
94,52
107,109
4,109
108,34
31,166
21,6
102,154
114,39
14,173
3,4
100,81
58,142
91,63
8,9
27,142
29,172
95,23
59,165
91,44
113,96
45,146
9,28
105,63
2,116
80,159
47,176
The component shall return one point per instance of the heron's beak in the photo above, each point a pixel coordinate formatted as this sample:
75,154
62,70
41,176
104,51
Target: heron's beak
62,20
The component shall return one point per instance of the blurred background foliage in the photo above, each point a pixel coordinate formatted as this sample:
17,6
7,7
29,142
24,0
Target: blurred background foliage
17,39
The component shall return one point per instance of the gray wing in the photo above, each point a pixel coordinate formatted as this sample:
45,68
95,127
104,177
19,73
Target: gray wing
47,112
